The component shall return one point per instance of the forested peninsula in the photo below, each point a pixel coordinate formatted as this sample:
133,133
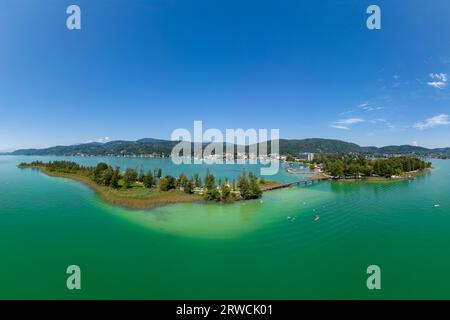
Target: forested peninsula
136,189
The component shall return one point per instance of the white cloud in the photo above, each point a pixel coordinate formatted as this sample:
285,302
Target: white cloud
366,106
383,122
350,121
439,76
346,123
439,80
101,140
439,120
337,126
437,84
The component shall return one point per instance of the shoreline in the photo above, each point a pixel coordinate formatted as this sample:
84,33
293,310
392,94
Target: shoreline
111,196
411,175
143,199
133,198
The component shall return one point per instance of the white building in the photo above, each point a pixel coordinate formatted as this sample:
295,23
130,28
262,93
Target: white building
307,156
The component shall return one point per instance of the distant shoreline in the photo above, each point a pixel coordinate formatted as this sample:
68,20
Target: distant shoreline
149,147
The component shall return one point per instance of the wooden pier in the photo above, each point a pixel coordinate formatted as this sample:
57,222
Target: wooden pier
305,182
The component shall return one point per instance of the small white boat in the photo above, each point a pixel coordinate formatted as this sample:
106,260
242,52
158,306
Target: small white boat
437,205
317,218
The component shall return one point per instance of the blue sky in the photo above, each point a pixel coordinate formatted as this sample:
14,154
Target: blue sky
144,68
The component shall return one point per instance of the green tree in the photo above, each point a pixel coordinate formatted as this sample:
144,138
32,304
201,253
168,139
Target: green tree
149,180
167,183
114,183
255,190
99,172
243,185
189,186
290,158
197,181
225,193
130,176
181,181
211,192
101,166
107,177
141,176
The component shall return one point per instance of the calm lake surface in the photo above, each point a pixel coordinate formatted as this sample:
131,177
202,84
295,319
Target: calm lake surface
247,250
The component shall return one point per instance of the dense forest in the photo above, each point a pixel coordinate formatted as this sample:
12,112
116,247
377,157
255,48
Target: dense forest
245,188
341,166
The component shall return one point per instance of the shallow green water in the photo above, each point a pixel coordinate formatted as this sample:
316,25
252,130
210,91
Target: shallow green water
242,250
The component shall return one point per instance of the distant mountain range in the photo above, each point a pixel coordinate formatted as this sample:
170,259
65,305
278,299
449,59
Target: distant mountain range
157,146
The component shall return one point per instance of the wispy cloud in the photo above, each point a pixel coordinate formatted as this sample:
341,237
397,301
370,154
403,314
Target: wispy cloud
378,120
439,120
384,122
366,106
101,140
371,108
439,80
338,126
345,124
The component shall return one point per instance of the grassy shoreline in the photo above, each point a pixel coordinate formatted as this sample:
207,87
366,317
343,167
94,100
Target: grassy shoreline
142,194
138,199
405,176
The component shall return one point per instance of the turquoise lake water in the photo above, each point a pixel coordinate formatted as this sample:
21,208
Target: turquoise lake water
245,250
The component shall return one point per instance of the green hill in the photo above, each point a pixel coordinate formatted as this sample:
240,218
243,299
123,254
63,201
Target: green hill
287,146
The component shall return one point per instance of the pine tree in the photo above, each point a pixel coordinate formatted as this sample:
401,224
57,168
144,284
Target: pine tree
114,183
255,190
130,176
243,185
149,180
